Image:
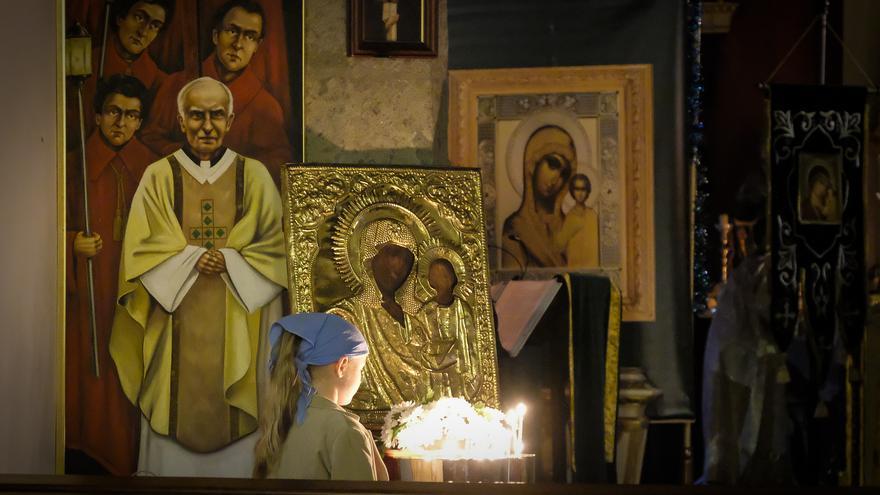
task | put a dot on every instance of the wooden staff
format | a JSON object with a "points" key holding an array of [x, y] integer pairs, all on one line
{"points": [[107, 5], [92, 318], [93, 324]]}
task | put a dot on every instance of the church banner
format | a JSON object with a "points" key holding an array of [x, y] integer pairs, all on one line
{"points": [[817, 140], [816, 167]]}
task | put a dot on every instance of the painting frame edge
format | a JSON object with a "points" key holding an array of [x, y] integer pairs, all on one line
{"points": [[61, 265], [635, 83]]}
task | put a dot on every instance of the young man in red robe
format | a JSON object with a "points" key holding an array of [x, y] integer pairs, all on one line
{"points": [[134, 25], [259, 130], [100, 421]]}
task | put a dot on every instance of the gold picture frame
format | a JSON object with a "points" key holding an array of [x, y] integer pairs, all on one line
{"points": [[374, 245], [551, 125]]}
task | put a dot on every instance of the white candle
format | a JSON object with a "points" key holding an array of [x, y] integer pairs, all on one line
{"points": [[512, 422], [520, 416]]}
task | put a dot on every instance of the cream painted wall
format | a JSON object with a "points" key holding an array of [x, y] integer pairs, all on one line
{"points": [[28, 254]]}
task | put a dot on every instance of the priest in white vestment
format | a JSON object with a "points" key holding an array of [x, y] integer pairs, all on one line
{"points": [[200, 278]]}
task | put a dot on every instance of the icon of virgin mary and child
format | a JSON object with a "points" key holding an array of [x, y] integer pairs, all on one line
{"points": [[540, 233], [410, 302]]}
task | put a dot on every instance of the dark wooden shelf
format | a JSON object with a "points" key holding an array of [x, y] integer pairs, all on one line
{"points": [[97, 485]]}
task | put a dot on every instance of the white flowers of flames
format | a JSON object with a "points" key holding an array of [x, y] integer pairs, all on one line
{"points": [[451, 428]]}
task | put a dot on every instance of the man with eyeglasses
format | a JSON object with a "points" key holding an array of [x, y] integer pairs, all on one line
{"points": [[259, 131], [100, 421], [134, 25]]}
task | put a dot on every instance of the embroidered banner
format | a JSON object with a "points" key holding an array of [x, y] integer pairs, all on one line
{"points": [[816, 155]]}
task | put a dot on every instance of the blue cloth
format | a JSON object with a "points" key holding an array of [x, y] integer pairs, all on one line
{"points": [[325, 340]]}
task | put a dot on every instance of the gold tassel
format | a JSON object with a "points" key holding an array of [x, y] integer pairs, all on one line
{"points": [[121, 214], [119, 224]]}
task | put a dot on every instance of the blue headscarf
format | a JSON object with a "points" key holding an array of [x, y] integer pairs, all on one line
{"points": [[325, 339]]}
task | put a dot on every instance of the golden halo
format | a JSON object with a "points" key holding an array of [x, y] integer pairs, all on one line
{"points": [[432, 250], [383, 203]]}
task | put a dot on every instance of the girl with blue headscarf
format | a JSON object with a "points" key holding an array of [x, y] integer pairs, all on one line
{"points": [[315, 369]]}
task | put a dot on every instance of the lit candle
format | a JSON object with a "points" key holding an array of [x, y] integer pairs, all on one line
{"points": [[512, 421], [520, 416]]}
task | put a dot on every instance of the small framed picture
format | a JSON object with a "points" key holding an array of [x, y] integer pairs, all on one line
{"points": [[392, 28]]}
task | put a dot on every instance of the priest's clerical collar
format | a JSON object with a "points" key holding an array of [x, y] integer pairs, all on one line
{"points": [[206, 171], [205, 163]]}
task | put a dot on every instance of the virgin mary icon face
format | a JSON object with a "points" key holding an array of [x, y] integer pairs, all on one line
{"points": [[550, 175], [549, 157], [391, 267]]}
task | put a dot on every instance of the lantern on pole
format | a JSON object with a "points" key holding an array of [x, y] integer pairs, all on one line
{"points": [[78, 67]]}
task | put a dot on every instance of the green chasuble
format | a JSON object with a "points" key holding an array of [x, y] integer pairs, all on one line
{"points": [[142, 342]]}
